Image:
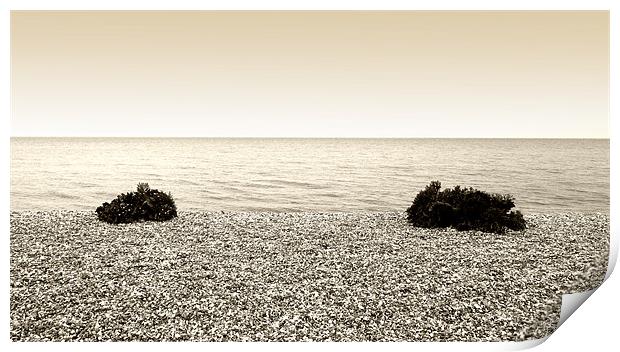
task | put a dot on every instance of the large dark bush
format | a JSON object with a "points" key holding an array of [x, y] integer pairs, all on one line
{"points": [[464, 209], [144, 204]]}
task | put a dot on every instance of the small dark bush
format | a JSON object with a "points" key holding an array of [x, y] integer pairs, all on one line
{"points": [[464, 209], [144, 204]]}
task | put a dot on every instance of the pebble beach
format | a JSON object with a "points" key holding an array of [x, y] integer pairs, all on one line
{"points": [[261, 276]]}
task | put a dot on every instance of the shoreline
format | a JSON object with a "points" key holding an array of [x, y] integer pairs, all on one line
{"points": [[295, 276]]}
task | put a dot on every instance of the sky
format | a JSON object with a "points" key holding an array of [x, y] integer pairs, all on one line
{"points": [[406, 74]]}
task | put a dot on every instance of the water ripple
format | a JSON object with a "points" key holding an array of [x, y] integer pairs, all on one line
{"points": [[307, 175]]}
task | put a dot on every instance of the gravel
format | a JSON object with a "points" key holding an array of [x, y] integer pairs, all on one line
{"points": [[295, 277]]}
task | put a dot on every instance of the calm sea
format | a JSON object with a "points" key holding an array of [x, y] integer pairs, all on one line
{"points": [[349, 175]]}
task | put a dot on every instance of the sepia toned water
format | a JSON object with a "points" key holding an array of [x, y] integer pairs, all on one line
{"points": [[351, 175]]}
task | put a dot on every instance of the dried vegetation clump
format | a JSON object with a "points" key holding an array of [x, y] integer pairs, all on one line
{"points": [[464, 209], [142, 205]]}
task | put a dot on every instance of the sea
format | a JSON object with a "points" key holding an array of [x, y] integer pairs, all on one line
{"points": [[317, 175]]}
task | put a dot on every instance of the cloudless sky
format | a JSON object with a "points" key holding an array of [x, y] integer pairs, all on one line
{"points": [[310, 74]]}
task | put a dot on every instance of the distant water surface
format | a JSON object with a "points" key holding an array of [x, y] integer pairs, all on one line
{"points": [[352, 175]]}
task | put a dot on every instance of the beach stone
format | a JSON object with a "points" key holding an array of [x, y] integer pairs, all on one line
{"points": [[240, 276]]}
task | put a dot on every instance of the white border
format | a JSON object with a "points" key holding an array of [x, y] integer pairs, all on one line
{"points": [[308, 5], [573, 333]]}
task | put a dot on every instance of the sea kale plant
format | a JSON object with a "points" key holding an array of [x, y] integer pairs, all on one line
{"points": [[144, 204], [464, 209]]}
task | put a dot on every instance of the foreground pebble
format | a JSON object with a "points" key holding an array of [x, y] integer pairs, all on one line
{"points": [[295, 277]]}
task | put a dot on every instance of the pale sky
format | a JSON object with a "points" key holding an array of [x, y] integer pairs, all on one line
{"points": [[310, 74]]}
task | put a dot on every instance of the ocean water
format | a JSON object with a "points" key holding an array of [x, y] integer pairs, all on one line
{"points": [[351, 175]]}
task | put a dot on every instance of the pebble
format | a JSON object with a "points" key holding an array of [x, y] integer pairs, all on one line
{"points": [[234, 276]]}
